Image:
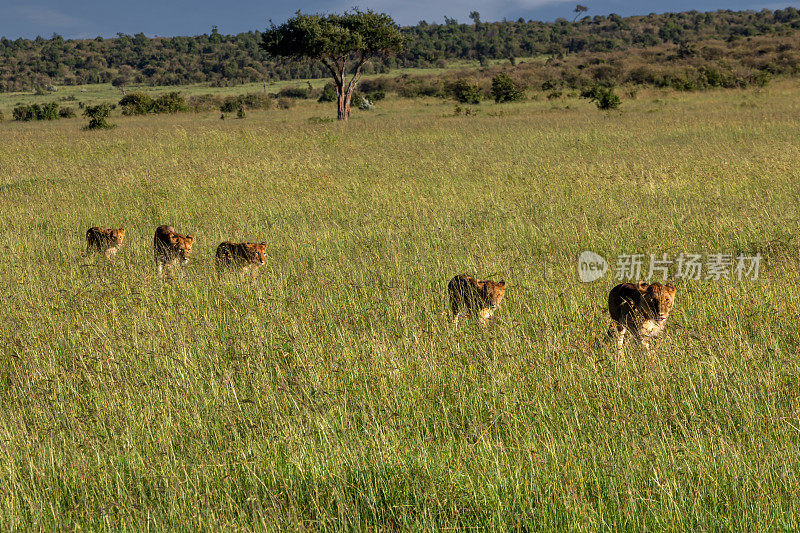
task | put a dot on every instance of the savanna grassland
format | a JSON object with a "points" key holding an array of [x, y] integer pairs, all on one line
{"points": [[330, 391]]}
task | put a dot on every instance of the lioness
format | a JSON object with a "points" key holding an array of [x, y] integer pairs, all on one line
{"points": [[171, 248], [243, 255], [106, 241], [640, 309], [481, 297]]}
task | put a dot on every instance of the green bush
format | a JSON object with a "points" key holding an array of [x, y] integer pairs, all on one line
{"points": [[97, 115], [230, 104], [66, 112], [328, 93], [48, 111], [137, 103], [604, 97], [171, 102], [377, 95], [357, 99], [256, 101], [414, 87], [504, 89], [26, 113], [293, 92], [762, 79], [23, 113], [246, 101], [465, 92], [549, 85], [203, 102]]}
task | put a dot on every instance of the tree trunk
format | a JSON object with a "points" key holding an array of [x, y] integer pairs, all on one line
{"points": [[344, 96], [342, 115]]}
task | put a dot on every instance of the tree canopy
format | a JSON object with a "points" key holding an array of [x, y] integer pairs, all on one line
{"points": [[343, 43]]}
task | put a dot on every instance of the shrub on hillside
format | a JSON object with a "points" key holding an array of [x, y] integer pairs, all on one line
{"points": [[464, 92], [328, 93], [26, 113], [357, 100], [505, 89], [293, 92], [365, 104], [408, 87], [604, 97], [171, 102], [97, 115], [66, 112], [48, 111], [203, 102], [256, 101], [230, 104], [375, 85], [375, 96], [246, 101], [136, 103]]}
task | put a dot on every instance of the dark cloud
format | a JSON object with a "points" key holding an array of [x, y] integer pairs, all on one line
{"points": [[74, 18]]}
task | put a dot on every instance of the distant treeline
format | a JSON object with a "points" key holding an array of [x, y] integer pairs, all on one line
{"points": [[232, 59], [708, 64]]}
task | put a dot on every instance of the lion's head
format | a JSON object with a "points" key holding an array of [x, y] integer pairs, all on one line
{"points": [[492, 292], [258, 252], [658, 299], [116, 235], [182, 245]]}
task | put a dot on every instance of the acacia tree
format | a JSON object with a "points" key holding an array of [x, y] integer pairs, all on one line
{"points": [[343, 43]]}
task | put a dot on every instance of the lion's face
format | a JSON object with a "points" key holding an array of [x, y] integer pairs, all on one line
{"points": [[117, 235], [494, 292], [183, 244], [659, 298], [259, 252]]}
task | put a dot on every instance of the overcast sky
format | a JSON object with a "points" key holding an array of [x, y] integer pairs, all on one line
{"points": [[90, 18]]}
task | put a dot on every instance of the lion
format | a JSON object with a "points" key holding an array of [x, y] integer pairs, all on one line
{"points": [[171, 248], [106, 241], [474, 296], [641, 310], [243, 255]]}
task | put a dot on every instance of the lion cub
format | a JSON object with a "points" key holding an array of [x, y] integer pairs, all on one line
{"points": [[171, 248], [106, 241], [474, 296], [641, 310], [242, 255]]}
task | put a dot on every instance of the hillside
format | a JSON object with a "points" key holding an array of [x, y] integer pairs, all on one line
{"points": [[233, 59]]}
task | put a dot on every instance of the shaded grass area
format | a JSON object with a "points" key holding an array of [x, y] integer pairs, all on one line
{"points": [[330, 391]]}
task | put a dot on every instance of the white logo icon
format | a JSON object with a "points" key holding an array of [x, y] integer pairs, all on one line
{"points": [[591, 266]]}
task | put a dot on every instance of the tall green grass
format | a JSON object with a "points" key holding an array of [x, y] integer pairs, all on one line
{"points": [[330, 391]]}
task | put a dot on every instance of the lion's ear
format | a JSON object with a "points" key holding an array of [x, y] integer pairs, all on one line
{"points": [[670, 288], [502, 284], [190, 239], [642, 286]]}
